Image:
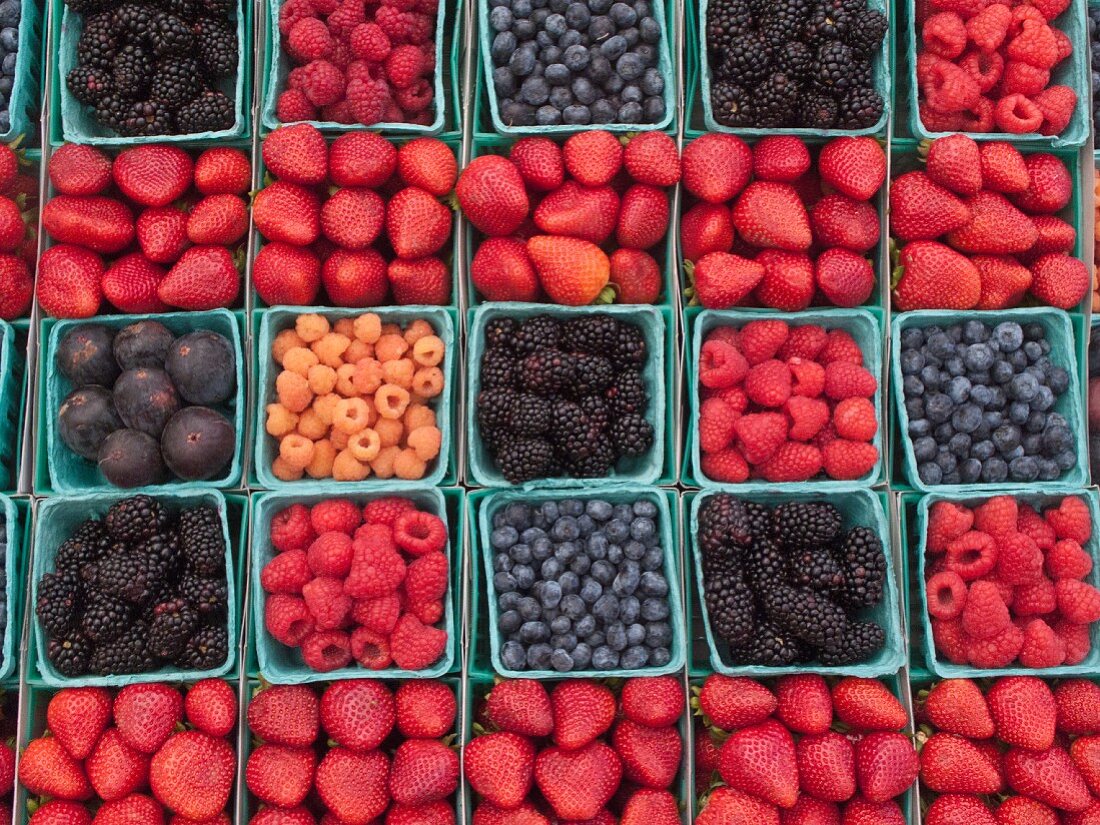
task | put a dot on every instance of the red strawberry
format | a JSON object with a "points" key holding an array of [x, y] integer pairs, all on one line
{"points": [[933, 276], [921, 209], [788, 282], [838, 220], [643, 217], [211, 706], [583, 710], [953, 764], [416, 223], [136, 807], [805, 704], [761, 760], [77, 717], [502, 271], [996, 227], [572, 272], [218, 219], [716, 166], [636, 277], [46, 768], [953, 808], [131, 283], [654, 701], [500, 767], [1047, 776], [153, 174], [726, 805], [585, 212], [855, 166], [827, 766], [1060, 280], [115, 769], [287, 212], [521, 706], [16, 287], [647, 806], [361, 159], [491, 194], [782, 158], [358, 714], [162, 233], [845, 277], [147, 714], [578, 783], [223, 171], [955, 163], [957, 706], [425, 710], [286, 274], [651, 756], [69, 281], [296, 154], [723, 280], [279, 775], [205, 277], [95, 222], [652, 157], [1050, 185], [886, 764], [772, 215], [61, 812], [77, 169], [1055, 235], [1004, 281], [1003, 167], [353, 218], [593, 158], [1085, 753], [1021, 810], [867, 704], [428, 163], [285, 714], [1078, 707], [706, 227], [526, 814], [354, 784], [355, 279], [540, 163], [423, 281]]}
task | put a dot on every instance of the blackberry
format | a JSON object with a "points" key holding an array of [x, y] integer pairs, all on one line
{"points": [[810, 616], [760, 520], [817, 111], [829, 21], [135, 518], [186, 9], [176, 80], [201, 541], [800, 523], [205, 650], [530, 415], [732, 104], [146, 117], [211, 111], [595, 460], [218, 8], [630, 350], [521, 459], [111, 111], [135, 20], [569, 426], [795, 59], [58, 601], [172, 625], [724, 522], [596, 334], [627, 394], [725, 20], [98, 41], [210, 597], [833, 67], [88, 7], [730, 609], [85, 546], [776, 100], [860, 108], [786, 21], [596, 409], [498, 369], [105, 617], [863, 562], [494, 407], [862, 641], [88, 84], [129, 653], [70, 654], [129, 576], [722, 563], [172, 35], [499, 333], [632, 435], [546, 371], [540, 332], [132, 71], [592, 374], [217, 45], [771, 647], [866, 31], [815, 568], [765, 565], [746, 61]]}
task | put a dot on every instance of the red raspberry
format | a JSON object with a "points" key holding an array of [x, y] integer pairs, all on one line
{"points": [[379, 614], [844, 380], [987, 29], [1078, 602], [996, 516], [950, 641], [1022, 14], [426, 580], [768, 383], [341, 55], [325, 599], [841, 347], [1057, 104], [809, 377], [286, 573], [370, 649], [720, 365], [761, 340], [804, 342], [946, 595], [362, 70], [1078, 639], [322, 82], [1018, 115], [287, 619], [292, 529], [1035, 599], [735, 397], [985, 67], [727, 466], [375, 571], [1068, 560], [1070, 520], [949, 88], [716, 420], [367, 100], [330, 554], [944, 34], [808, 416], [336, 514], [1065, 45], [995, 651], [1042, 646], [1035, 44], [325, 7], [400, 5], [415, 99], [964, 8], [855, 419], [1030, 522], [1019, 559], [337, 113], [848, 460], [946, 522], [344, 20], [369, 42], [376, 537], [926, 62], [402, 26], [292, 11], [760, 434], [386, 510], [979, 117], [1050, 8], [731, 335], [419, 533], [326, 650], [293, 105], [404, 65], [308, 39], [935, 121], [427, 612], [416, 645], [1078, 703], [972, 555], [1023, 79], [792, 462], [427, 7]]}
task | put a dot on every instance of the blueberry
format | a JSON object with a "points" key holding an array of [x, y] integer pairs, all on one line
{"points": [[508, 601], [1018, 413], [598, 509], [578, 16], [654, 610], [558, 6], [597, 546], [627, 581], [959, 445], [580, 565], [659, 657], [924, 449], [635, 550], [1001, 372], [586, 525], [653, 584], [513, 656], [557, 74], [1066, 460], [981, 395], [622, 15], [585, 626], [581, 656], [1049, 469], [617, 530], [9, 13], [509, 621], [530, 632], [551, 594], [1025, 468], [524, 575], [616, 636], [565, 529], [654, 559], [958, 389], [1036, 422], [1033, 351], [615, 554], [522, 8], [634, 657], [563, 641], [600, 29], [539, 656], [969, 470], [919, 428], [603, 572], [946, 462], [930, 377], [572, 606], [529, 608], [912, 338], [914, 407], [629, 609], [658, 634], [975, 332], [1017, 359], [604, 111], [630, 67], [930, 473], [911, 386], [599, 6], [943, 434], [1009, 336], [912, 361], [524, 29], [572, 38], [504, 582], [583, 91], [536, 91], [570, 582], [1032, 443], [1056, 440], [551, 568], [561, 661], [599, 68], [550, 511], [1023, 387], [994, 470], [503, 45], [938, 407], [606, 608], [940, 346], [642, 529], [502, 563], [565, 552], [982, 450], [604, 658], [954, 332], [644, 509], [967, 418], [1044, 399], [955, 366], [635, 634], [1006, 437], [978, 357], [993, 419], [503, 537], [501, 19], [631, 36], [613, 47]]}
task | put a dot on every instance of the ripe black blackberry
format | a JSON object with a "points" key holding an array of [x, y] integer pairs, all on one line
{"points": [[218, 8], [862, 641], [164, 555], [171, 35], [172, 625], [135, 518], [765, 565], [546, 371], [829, 21], [146, 117], [723, 523], [596, 460], [530, 415], [786, 21], [771, 647], [725, 20], [176, 80], [98, 41], [201, 541], [595, 334], [129, 576], [186, 9], [211, 111], [89, 7], [599, 416], [69, 653], [795, 59], [591, 374], [498, 369], [627, 394], [812, 566], [817, 111], [88, 84], [209, 596], [135, 20], [521, 459], [866, 30], [129, 653], [494, 407], [105, 618], [217, 45], [632, 435], [86, 545], [206, 649], [732, 104], [540, 332], [799, 523], [630, 350], [746, 61], [832, 70], [569, 425], [499, 333], [862, 559], [860, 108], [58, 601], [777, 100], [760, 519], [811, 616], [111, 110], [731, 609]]}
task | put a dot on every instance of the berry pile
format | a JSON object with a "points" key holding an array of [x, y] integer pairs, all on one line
{"points": [[563, 398], [1005, 583], [580, 585], [364, 584], [166, 414], [140, 589], [166, 257], [979, 229], [357, 62], [360, 217], [354, 753], [1022, 752], [145, 69], [785, 403], [1093, 400], [980, 402], [800, 63], [145, 754], [790, 584], [785, 243], [594, 209], [578, 752], [986, 67], [783, 756], [10, 18], [353, 399], [18, 236]]}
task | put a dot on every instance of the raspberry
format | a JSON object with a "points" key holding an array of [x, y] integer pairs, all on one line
{"points": [[1017, 114], [386, 510], [1019, 559], [1057, 104], [369, 42], [720, 365], [415, 99], [855, 418], [972, 555], [946, 522], [374, 571], [949, 88], [1065, 45], [326, 650], [1029, 521], [370, 649], [367, 100], [804, 342], [379, 614], [286, 573], [1023, 78], [1022, 14], [946, 595], [716, 420], [730, 335], [1070, 520], [287, 619], [995, 651], [841, 347], [376, 537], [735, 397], [792, 462], [1078, 602], [808, 416], [428, 612], [1035, 44], [987, 29], [1050, 8], [416, 645], [308, 39], [964, 8], [809, 377], [926, 62], [420, 533], [1007, 591], [979, 117], [1077, 637], [326, 601], [1036, 599], [761, 340], [768, 383], [330, 554], [848, 460], [996, 516], [403, 26], [401, 5], [986, 68], [404, 65], [337, 113], [844, 380], [944, 34], [292, 529], [293, 106], [939, 121], [347, 16], [950, 641], [292, 11], [727, 466], [1042, 647], [322, 82], [1068, 560], [760, 434], [338, 514], [426, 579]]}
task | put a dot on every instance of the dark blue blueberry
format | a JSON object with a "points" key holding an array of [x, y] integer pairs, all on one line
{"points": [[1066, 460], [617, 531], [914, 407], [535, 91], [546, 43], [585, 626], [598, 509], [969, 470], [654, 610], [912, 362], [930, 473], [550, 511], [959, 445], [1036, 422], [563, 641], [940, 346], [930, 377], [626, 582], [572, 507], [508, 601], [565, 552], [522, 8], [551, 594], [1018, 412], [504, 582], [938, 407], [1023, 387], [993, 419], [912, 337], [525, 30], [1056, 440], [1008, 336], [919, 427], [980, 378], [1017, 359], [509, 621], [1025, 469], [622, 15], [580, 565], [502, 563], [629, 609], [994, 470], [630, 67], [652, 82], [1044, 399], [951, 478], [654, 559], [947, 462], [573, 606], [9, 13], [943, 433], [524, 575], [501, 19], [954, 332], [982, 450], [654, 112], [955, 366], [604, 658], [578, 16], [978, 358], [570, 582], [643, 529], [603, 110], [924, 448], [658, 634], [958, 389], [975, 332], [1015, 452], [1006, 437], [539, 656], [1049, 469], [981, 395], [613, 47], [615, 554], [603, 572], [599, 6], [503, 45], [635, 550], [586, 524], [1032, 443], [529, 608], [599, 67], [558, 74], [967, 418], [635, 634], [1033, 351], [653, 584], [912, 386], [576, 59], [1001, 372], [503, 537], [659, 657], [572, 38], [561, 661], [551, 569], [513, 656], [597, 546], [601, 29], [581, 656], [634, 658], [565, 529], [606, 608], [616, 636], [531, 632], [520, 553]]}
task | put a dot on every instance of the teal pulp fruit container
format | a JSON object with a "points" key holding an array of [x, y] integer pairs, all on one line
{"points": [[859, 507], [55, 521], [10, 406], [863, 325], [280, 664], [276, 319], [1040, 500], [69, 472], [485, 504], [1063, 352], [25, 91], [14, 524], [655, 324]]}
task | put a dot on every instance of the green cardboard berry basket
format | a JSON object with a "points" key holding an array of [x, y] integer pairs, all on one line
{"points": [[656, 324], [1063, 352], [55, 520], [276, 319], [864, 325], [859, 507], [278, 664], [11, 381], [907, 530], [25, 93], [15, 525], [66, 472], [71, 121], [483, 505], [1039, 499]]}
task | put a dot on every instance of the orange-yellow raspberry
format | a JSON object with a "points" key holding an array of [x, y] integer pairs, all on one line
{"points": [[390, 347], [345, 326], [391, 401], [416, 330], [323, 456], [368, 376], [419, 415], [399, 372], [350, 415], [331, 348], [311, 327], [428, 351], [428, 382], [296, 450], [322, 379], [283, 471], [299, 360], [425, 441], [407, 465], [286, 340], [280, 420], [391, 328], [365, 444], [311, 426], [389, 431], [345, 374], [339, 439], [346, 468], [368, 327], [357, 351], [382, 466], [324, 405], [292, 391]]}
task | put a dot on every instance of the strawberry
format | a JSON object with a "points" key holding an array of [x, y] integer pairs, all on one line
{"points": [[1085, 753], [1003, 167], [584, 212], [193, 774], [957, 706], [810, 811], [1024, 711], [526, 814], [845, 277], [61, 812], [358, 714], [1055, 235], [425, 710], [827, 766], [223, 171], [636, 277], [1078, 707], [287, 212], [954, 808], [643, 217], [761, 760], [439, 812], [933, 276], [1047, 776], [578, 783], [355, 279], [654, 701], [706, 227], [855, 166], [77, 169], [218, 219], [788, 282], [46, 768], [277, 816], [772, 215], [651, 756], [416, 223], [540, 163], [77, 717], [115, 769], [804, 703], [1049, 186], [838, 220], [153, 174], [286, 274], [868, 705], [280, 775], [647, 806], [501, 270], [500, 767], [1060, 280], [296, 154], [1004, 281], [16, 287], [353, 784], [652, 157], [886, 765], [953, 764], [954, 162], [211, 706], [353, 218], [583, 710], [162, 233], [95, 222], [429, 164], [205, 277], [726, 805], [593, 158], [491, 194], [996, 227], [716, 166], [285, 714], [422, 281], [722, 280], [136, 807], [921, 209], [147, 714], [69, 281], [521, 706], [572, 272], [780, 158], [131, 282]]}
